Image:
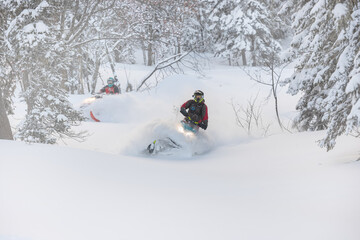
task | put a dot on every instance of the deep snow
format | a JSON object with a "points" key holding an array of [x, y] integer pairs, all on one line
{"points": [[279, 187]]}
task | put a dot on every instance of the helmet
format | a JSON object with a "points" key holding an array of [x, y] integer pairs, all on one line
{"points": [[110, 81], [198, 96]]}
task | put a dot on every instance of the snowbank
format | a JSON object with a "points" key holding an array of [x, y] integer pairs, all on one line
{"points": [[50, 192], [237, 187]]}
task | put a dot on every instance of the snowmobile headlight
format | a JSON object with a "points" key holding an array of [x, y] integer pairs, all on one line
{"points": [[89, 100], [180, 128]]}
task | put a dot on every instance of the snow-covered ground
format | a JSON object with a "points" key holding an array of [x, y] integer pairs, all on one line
{"points": [[279, 187]]}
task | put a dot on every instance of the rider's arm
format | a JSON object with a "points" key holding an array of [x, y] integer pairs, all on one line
{"points": [[116, 90], [102, 90], [204, 113], [184, 107], [203, 123], [184, 112]]}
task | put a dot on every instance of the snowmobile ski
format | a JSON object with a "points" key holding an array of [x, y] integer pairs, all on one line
{"points": [[93, 117], [151, 147], [162, 145]]}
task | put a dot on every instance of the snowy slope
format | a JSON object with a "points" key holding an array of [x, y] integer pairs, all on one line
{"points": [[278, 188], [237, 192]]}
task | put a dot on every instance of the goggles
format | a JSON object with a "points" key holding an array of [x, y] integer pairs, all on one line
{"points": [[198, 97]]}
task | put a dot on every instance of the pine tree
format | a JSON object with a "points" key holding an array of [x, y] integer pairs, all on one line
{"points": [[7, 75], [167, 27], [244, 29], [327, 40], [37, 55]]}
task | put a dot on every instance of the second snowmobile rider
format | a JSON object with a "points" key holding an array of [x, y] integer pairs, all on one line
{"points": [[110, 88]]}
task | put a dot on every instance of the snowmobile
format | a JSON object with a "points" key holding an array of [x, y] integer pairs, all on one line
{"points": [[161, 145]]}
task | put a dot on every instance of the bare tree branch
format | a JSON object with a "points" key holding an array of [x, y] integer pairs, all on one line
{"points": [[164, 64], [249, 118]]}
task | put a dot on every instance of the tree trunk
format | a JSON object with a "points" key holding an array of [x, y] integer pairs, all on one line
{"points": [[65, 78], [25, 80], [26, 86], [150, 46], [178, 46], [149, 53], [95, 75], [86, 75], [88, 84], [62, 20], [274, 91], [81, 77], [144, 53], [243, 56], [253, 48], [5, 129]]}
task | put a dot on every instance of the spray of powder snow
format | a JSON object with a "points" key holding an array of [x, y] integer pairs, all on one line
{"points": [[190, 144]]}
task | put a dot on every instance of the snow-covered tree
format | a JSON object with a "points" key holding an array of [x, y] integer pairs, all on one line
{"points": [[280, 18], [80, 30], [7, 75], [327, 42], [196, 34], [244, 29], [167, 27], [110, 36], [37, 56]]}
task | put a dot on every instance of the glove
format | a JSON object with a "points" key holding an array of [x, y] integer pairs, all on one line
{"points": [[203, 126], [184, 112]]}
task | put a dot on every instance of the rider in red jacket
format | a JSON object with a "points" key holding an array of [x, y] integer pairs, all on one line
{"points": [[195, 110], [111, 88]]}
